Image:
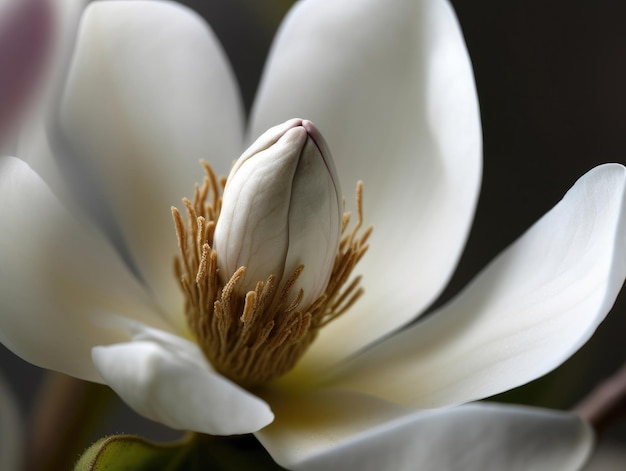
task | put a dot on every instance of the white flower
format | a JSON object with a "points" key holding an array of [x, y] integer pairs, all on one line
{"points": [[390, 86]]}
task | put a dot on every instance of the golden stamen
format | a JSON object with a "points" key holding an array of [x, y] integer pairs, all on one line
{"points": [[254, 338]]}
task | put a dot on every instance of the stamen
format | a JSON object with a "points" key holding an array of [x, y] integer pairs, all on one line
{"points": [[254, 338]]}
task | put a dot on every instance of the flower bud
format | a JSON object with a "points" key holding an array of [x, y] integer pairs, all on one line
{"points": [[282, 208]]}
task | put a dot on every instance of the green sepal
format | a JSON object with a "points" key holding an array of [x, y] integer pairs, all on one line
{"points": [[128, 452], [192, 452]]}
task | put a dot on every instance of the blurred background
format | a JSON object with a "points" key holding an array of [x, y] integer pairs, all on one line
{"points": [[550, 77]]}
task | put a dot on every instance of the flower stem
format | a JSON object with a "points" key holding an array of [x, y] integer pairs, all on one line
{"points": [[65, 413], [605, 406]]}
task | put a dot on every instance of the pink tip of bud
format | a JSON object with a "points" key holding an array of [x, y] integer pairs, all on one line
{"points": [[26, 29]]}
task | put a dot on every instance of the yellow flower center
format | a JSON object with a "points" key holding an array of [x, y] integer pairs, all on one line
{"points": [[259, 336]]}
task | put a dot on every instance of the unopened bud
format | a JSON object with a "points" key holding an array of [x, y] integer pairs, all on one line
{"points": [[282, 208]]}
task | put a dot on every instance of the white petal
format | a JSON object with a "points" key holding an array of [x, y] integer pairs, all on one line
{"points": [[11, 429], [33, 145], [149, 94], [60, 282], [478, 437], [318, 420], [167, 379], [390, 86], [525, 314]]}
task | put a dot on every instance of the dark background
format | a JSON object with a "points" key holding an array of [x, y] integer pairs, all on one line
{"points": [[550, 78]]}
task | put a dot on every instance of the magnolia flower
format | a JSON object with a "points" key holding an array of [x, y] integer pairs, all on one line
{"points": [[92, 293]]}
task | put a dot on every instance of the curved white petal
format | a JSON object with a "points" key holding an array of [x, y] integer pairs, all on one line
{"points": [[526, 313], [390, 86], [477, 437], [167, 379], [33, 145], [149, 94], [311, 423], [11, 429], [60, 282]]}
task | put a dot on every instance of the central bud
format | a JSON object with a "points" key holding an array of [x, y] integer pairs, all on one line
{"points": [[265, 256], [281, 210]]}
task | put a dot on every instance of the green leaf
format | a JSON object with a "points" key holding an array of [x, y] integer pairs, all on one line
{"points": [[192, 452]]}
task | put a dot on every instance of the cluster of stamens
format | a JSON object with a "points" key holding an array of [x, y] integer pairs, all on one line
{"points": [[258, 336]]}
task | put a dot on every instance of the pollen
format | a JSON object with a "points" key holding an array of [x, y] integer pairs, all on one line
{"points": [[255, 337]]}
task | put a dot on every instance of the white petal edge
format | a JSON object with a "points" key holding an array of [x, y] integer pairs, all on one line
{"points": [[33, 144], [390, 86], [11, 429], [167, 379], [149, 94], [526, 313], [476, 437], [61, 284]]}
